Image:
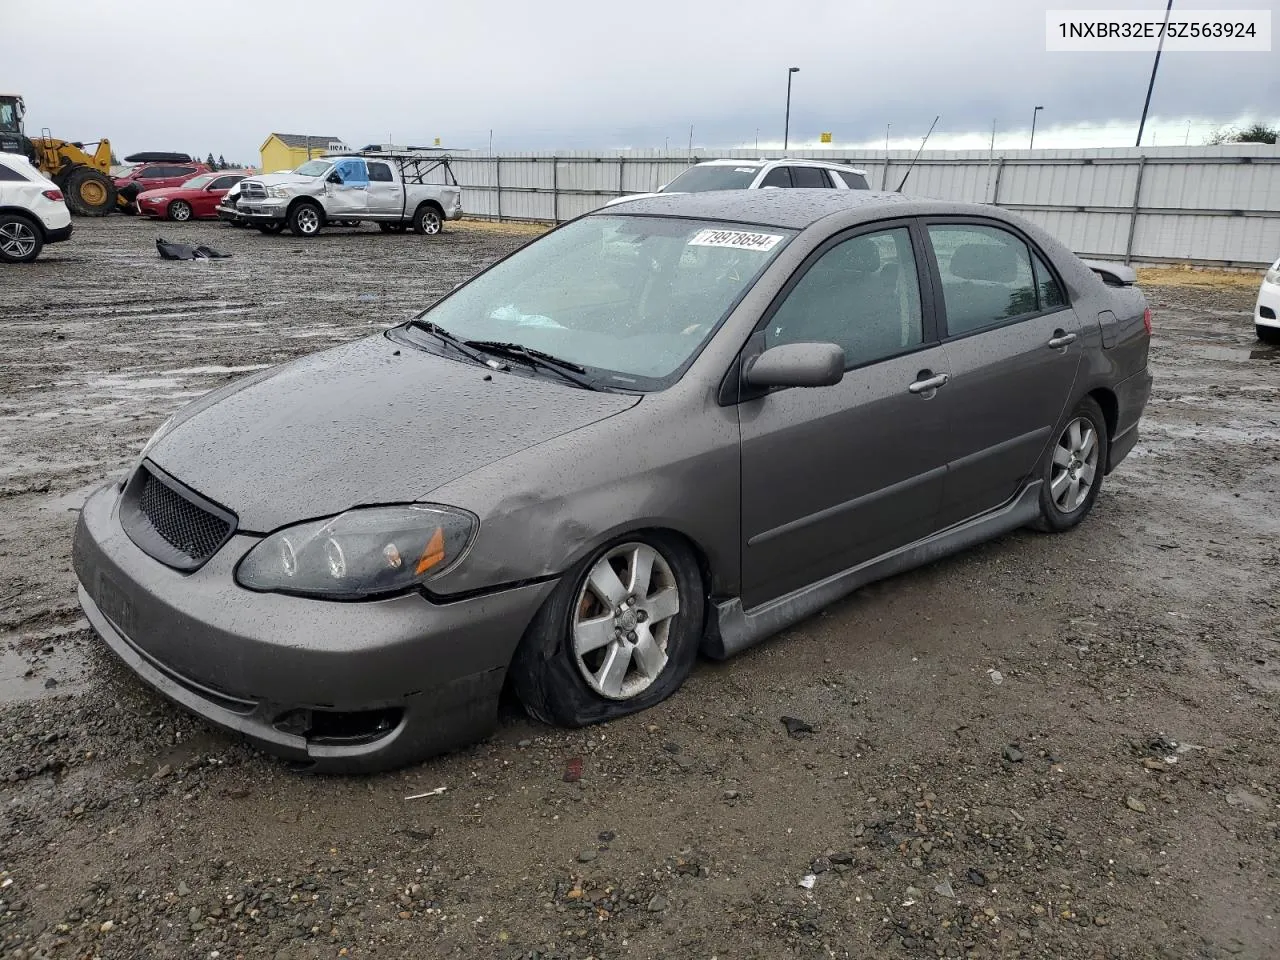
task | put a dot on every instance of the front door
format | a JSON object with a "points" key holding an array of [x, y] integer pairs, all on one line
{"points": [[386, 199], [350, 197], [834, 476], [1013, 349]]}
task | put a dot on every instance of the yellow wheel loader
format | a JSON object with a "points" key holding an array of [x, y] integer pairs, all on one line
{"points": [[83, 177]]}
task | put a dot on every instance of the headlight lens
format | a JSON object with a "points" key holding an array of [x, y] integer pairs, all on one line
{"points": [[280, 193], [361, 553]]}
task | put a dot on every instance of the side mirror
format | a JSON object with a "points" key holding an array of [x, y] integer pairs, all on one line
{"points": [[334, 177], [797, 365]]}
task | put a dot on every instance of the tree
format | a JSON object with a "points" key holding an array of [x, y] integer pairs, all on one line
{"points": [[211, 163], [1257, 133], [222, 162]]}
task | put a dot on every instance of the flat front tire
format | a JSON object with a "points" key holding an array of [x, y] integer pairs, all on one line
{"points": [[1073, 474], [619, 633]]}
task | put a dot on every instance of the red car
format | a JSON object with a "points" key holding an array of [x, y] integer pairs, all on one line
{"points": [[197, 198], [153, 176]]}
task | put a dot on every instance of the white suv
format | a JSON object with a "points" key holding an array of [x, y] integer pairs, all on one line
{"points": [[759, 175], [32, 210]]}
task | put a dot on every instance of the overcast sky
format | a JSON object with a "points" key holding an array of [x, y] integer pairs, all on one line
{"points": [[576, 74]]}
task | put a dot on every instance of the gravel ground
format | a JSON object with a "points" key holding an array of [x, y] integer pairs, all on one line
{"points": [[1045, 747]]}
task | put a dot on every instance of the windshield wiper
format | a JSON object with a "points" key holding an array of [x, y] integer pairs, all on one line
{"points": [[453, 340], [567, 369]]}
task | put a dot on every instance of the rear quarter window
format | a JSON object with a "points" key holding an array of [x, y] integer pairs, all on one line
{"points": [[8, 173]]}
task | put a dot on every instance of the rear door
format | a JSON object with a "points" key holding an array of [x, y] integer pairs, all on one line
{"points": [[777, 177], [350, 198], [385, 196], [833, 476], [1013, 349], [810, 178]]}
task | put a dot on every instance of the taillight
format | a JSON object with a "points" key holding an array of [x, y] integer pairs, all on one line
{"points": [[53, 194], [1146, 320]]}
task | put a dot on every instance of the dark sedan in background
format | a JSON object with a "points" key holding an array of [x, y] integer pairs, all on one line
{"points": [[677, 425]]}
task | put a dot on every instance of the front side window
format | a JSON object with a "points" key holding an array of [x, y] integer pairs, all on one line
{"points": [[809, 177], [863, 295], [631, 299], [712, 176], [8, 118], [986, 276], [777, 177], [380, 173]]}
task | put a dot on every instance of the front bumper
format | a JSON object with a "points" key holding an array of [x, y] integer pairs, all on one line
{"points": [[286, 672], [263, 211], [229, 214], [1266, 312]]}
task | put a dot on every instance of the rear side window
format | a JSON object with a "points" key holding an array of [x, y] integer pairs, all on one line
{"points": [[986, 276], [777, 177], [809, 177], [854, 181], [1051, 295], [863, 294], [380, 172], [7, 173]]}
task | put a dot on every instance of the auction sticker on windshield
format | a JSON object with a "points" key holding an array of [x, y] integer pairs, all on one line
{"points": [[735, 238]]}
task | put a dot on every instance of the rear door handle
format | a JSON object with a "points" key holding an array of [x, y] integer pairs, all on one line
{"points": [[928, 382], [1062, 339]]}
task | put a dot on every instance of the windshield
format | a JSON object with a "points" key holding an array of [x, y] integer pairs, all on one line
{"points": [[198, 183], [631, 299], [8, 118], [712, 177], [314, 168]]}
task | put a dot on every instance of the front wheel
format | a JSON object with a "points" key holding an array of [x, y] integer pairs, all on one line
{"points": [[180, 211], [618, 634], [428, 220], [20, 239], [1073, 476], [305, 220]]}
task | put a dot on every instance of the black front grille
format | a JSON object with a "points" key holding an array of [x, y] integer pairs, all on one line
{"points": [[171, 523], [182, 524]]}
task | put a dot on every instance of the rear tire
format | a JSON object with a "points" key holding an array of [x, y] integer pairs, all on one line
{"points": [[1267, 334], [586, 658], [1076, 465], [90, 193], [180, 211], [20, 239], [428, 220], [305, 220]]}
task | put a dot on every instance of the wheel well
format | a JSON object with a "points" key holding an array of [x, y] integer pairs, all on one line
{"points": [[432, 204], [298, 201], [25, 215], [1110, 409]]}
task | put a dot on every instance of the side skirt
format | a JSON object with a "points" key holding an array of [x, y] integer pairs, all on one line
{"points": [[730, 629]]}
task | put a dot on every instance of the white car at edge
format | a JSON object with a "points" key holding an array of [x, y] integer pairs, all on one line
{"points": [[32, 210], [1266, 312], [760, 175]]}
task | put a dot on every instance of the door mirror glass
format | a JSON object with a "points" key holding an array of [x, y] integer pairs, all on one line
{"points": [[797, 365], [334, 177]]}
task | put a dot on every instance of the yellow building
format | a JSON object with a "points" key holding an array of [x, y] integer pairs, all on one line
{"points": [[285, 151]]}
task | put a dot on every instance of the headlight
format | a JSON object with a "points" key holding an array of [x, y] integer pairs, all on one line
{"points": [[155, 199], [280, 193], [361, 553]]}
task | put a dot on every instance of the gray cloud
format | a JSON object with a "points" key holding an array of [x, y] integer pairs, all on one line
{"points": [[580, 74]]}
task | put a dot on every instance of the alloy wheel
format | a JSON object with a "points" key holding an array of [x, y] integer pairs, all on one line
{"points": [[1075, 465], [17, 239], [622, 620]]}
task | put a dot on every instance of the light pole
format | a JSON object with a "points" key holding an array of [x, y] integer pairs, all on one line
{"points": [[1033, 126], [786, 130]]}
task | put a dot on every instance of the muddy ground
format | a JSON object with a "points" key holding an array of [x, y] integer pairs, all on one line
{"points": [[1045, 747]]}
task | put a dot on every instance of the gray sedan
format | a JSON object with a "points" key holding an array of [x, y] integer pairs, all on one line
{"points": [[677, 425]]}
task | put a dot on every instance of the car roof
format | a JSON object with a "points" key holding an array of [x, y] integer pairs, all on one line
{"points": [[793, 209]]}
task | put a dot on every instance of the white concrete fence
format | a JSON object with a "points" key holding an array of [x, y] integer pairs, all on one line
{"points": [[1216, 206]]}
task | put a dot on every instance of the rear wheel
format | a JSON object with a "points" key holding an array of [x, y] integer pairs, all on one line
{"points": [[618, 634], [20, 239], [428, 220], [180, 210], [90, 193], [1267, 334], [1074, 473], [305, 220]]}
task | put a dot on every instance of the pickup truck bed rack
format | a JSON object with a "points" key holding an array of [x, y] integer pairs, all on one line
{"points": [[414, 167]]}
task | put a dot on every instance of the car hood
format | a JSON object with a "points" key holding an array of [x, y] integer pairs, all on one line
{"points": [[365, 423], [276, 179]]}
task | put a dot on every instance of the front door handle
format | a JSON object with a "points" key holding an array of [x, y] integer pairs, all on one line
{"points": [[927, 382], [1062, 339]]}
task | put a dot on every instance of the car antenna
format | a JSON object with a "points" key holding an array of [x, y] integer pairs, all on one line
{"points": [[918, 152]]}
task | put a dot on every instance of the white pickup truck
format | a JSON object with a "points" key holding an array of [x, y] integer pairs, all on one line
{"points": [[390, 189]]}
